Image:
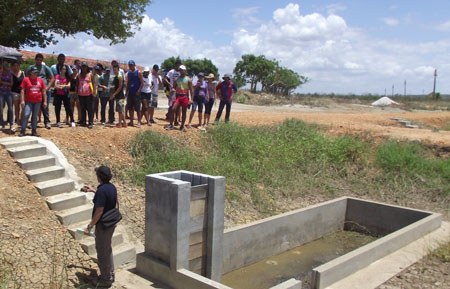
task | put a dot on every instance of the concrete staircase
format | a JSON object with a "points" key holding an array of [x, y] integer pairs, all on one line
{"points": [[55, 179]]}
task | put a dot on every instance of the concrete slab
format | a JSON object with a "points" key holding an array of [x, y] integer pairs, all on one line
{"points": [[385, 268]]}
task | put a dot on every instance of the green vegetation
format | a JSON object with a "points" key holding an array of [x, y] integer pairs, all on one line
{"points": [[37, 22], [194, 66], [294, 159], [269, 74]]}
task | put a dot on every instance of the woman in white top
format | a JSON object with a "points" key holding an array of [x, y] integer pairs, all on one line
{"points": [[156, 81], [145, 95]]}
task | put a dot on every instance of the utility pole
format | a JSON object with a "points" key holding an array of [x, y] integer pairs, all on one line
{"points": [[404, 92], [392, 91], [434, 85], [385, 94]]}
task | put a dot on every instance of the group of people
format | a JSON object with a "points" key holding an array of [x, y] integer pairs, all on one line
{"points": [[109, 90]]}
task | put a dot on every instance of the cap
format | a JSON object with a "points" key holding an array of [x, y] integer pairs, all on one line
{"points": [[84, 63], [107, 68], [211, 75], [97, 67], [146, 69], [34, 69], [131, 62], [227, 75], [182, 67], [200, 74], [156, 67]]}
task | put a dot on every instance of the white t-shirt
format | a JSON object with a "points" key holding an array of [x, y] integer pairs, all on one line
{"points": [[173, 75], [156, 80], [147, 87]]}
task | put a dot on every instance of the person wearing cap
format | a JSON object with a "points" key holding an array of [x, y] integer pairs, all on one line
{"points": [[116, 93], [6, 82], [103, 90], [184, 92], [134, 83], [85, 95], [105, 199], [210, 98], [146, 93], [32, 96], [200, 91], [170, 79], [46, 74], [225, 91], [153, 102]]}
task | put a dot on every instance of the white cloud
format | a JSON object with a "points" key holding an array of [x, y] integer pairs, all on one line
{"points": [[444, 26], [335, 8], [245, 17], [336, 57], [391, 21]]}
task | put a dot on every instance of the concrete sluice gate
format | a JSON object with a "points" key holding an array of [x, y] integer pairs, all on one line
{"points": [[186, 245]]}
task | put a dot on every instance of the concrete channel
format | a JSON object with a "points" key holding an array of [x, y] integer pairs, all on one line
{"points": [[186, 245]]}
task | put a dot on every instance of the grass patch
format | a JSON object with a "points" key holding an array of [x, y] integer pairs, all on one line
{"points": [[415, 163], [294, 159], [262, 161], [442, 253]]}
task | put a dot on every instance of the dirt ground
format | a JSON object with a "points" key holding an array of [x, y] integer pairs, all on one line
{"points": [[85, 148]]}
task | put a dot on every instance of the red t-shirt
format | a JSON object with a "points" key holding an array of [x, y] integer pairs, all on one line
{"points": [[33, 89]]}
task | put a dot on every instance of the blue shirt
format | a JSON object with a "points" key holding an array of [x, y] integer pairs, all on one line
{"points": [[105, 197]]}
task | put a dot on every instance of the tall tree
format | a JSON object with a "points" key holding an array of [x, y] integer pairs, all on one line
{"points": [[35, 23], [253, 69]]}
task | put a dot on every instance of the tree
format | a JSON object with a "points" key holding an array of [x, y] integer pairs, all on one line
{"points": [[194, 66], [35, 23], [253, 70]]}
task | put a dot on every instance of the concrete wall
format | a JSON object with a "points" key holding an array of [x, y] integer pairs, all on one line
{"points": [[412, 225], [377, 218], [250, 243], [183, 227]]}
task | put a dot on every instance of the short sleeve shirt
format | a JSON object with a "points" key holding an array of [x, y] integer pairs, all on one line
{"points": [[105, 197]]}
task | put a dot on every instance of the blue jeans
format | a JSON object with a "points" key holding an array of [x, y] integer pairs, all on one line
{"points": [[6, 97], [33, 109]]}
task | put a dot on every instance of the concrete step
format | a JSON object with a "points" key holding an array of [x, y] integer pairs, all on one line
{"points": [[45, 174], [88, 243], [72, 228], [66, 200], [123, 254], [17, 142], [76, 215], [28, 151], [37, 162], [55, 186]]}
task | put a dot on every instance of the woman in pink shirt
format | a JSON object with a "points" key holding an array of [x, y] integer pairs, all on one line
{"points": [[85, 95], [62, 85]]}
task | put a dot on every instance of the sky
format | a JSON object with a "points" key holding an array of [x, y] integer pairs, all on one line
{"points": [[361, 47]]}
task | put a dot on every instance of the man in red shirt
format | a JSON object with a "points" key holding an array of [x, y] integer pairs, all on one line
{"points": [[33, 94], [225, 91]]}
